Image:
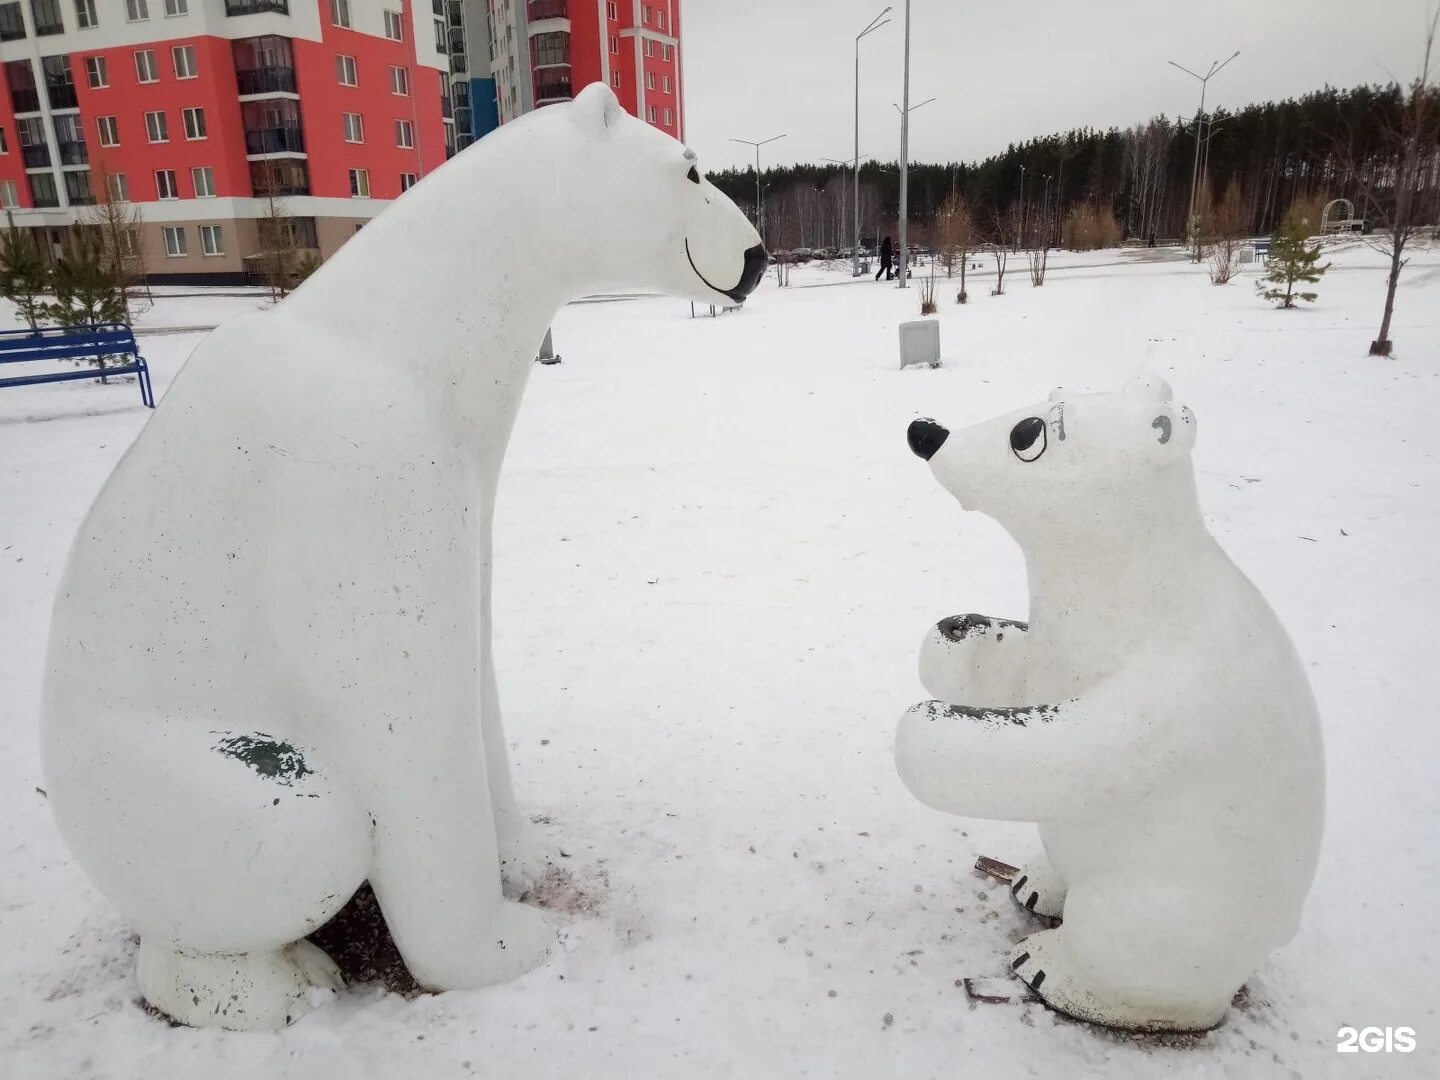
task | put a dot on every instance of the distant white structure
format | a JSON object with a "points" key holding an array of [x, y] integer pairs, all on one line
{"points": [[1339, 217], [1151, 716], [270, 674], [920, 343]]}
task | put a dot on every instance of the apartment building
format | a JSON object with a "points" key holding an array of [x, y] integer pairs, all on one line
{"points": [[519, 55], [195, 111]]}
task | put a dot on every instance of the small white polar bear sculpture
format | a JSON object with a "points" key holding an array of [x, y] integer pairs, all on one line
{"points": [[269, 676], [1152, 716]]}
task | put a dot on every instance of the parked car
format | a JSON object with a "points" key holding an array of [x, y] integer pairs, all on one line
{"points": [[801, 254]]}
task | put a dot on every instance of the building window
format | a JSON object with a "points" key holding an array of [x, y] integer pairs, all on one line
{"points": [[394, 27], [612, 11], [77, 188], [42, 189], [177, 7], [9, 195], [97, 72], [660, 20], [4, 146], [550, 50], [404, 134], [648, 48], [649, 80], [146, 70], [669, 52], [212, 240], [109, 130], [614, 44], [183, 57], [440, 36], [204, 178], [360, 183], [118, 187], [615, 79], [645, 14], [340, 13], [669, 118], [407, 181], [194, 123], [399, 81], [650, 113], [345, 70], [136, 10], [165, 185], [174, 241], [85, 14], [665, 84], [157, 128], [354, 127]]}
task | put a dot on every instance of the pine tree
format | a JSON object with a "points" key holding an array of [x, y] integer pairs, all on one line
{"points": [[1291, 259], [87, 286], [24, 276]]}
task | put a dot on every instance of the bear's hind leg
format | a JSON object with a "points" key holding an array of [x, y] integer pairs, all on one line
{"points": [[1039, 888], [256, 991], [1139, 957]]}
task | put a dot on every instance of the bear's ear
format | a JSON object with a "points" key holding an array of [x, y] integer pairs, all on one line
{"points": [[1150, 388], [1175, 428], [595, 108]]}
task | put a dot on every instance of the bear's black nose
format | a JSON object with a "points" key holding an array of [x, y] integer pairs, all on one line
{"points": [[926, 437], [756, 259]]}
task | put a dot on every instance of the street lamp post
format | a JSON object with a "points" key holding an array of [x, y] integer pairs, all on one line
{"points": [[904, 167], [1022, 204], [759, 206], [875, 24], [848, 163], [1204, 81], [905, 157]]}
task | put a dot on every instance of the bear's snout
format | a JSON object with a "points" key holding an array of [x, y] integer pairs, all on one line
{"points": [[926, 437]]}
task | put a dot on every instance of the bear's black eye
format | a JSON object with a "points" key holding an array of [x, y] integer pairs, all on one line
{"points": [[693, 175], [1028, 439]]}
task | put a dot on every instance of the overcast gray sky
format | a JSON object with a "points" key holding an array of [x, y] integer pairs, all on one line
{"points": [[1004, 70]]}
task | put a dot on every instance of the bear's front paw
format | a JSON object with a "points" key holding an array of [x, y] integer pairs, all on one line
{"points": [[956, 657]]}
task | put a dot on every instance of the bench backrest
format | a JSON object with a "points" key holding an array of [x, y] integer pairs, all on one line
{"points": [[66, 343]]}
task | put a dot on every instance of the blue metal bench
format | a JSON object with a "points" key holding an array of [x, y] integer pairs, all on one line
{"points": [[76, 343]]}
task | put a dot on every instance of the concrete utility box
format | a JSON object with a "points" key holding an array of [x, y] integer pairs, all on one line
{"points": [[920, 343]]}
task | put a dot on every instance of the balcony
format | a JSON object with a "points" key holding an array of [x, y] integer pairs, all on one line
{"points": [[73, 153], [267, 80], [548, 9], [45, 200], [25, 101], [552, 89], [274, 141], [277, 178], [447, 112], [257, 7], [458, 64], [36, 157], [62, 96], [12, 23]]}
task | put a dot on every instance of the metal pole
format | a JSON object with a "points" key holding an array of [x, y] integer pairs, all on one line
{"points": [[759, 205], [855, 252], [1022, 205], [905, 157], [1204, 85], [875, 24]]}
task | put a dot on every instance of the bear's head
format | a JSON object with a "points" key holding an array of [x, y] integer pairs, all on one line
{"points": [[1079, 464], [639, 204]]}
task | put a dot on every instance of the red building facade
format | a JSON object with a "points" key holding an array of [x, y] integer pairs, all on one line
{"points": [[200, 112], [546, 51]]}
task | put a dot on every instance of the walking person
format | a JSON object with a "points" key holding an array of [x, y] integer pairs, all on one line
{"points": [[887, 260]]}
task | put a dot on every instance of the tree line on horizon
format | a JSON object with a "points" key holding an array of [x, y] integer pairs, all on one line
{"points": [[1329, 143]]}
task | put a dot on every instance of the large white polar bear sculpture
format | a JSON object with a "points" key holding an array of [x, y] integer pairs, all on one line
{"points": [[270, 672], [1152, 717]]}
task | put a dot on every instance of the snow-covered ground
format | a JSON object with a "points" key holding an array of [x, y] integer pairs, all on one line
{"points": [[716, 559]]}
